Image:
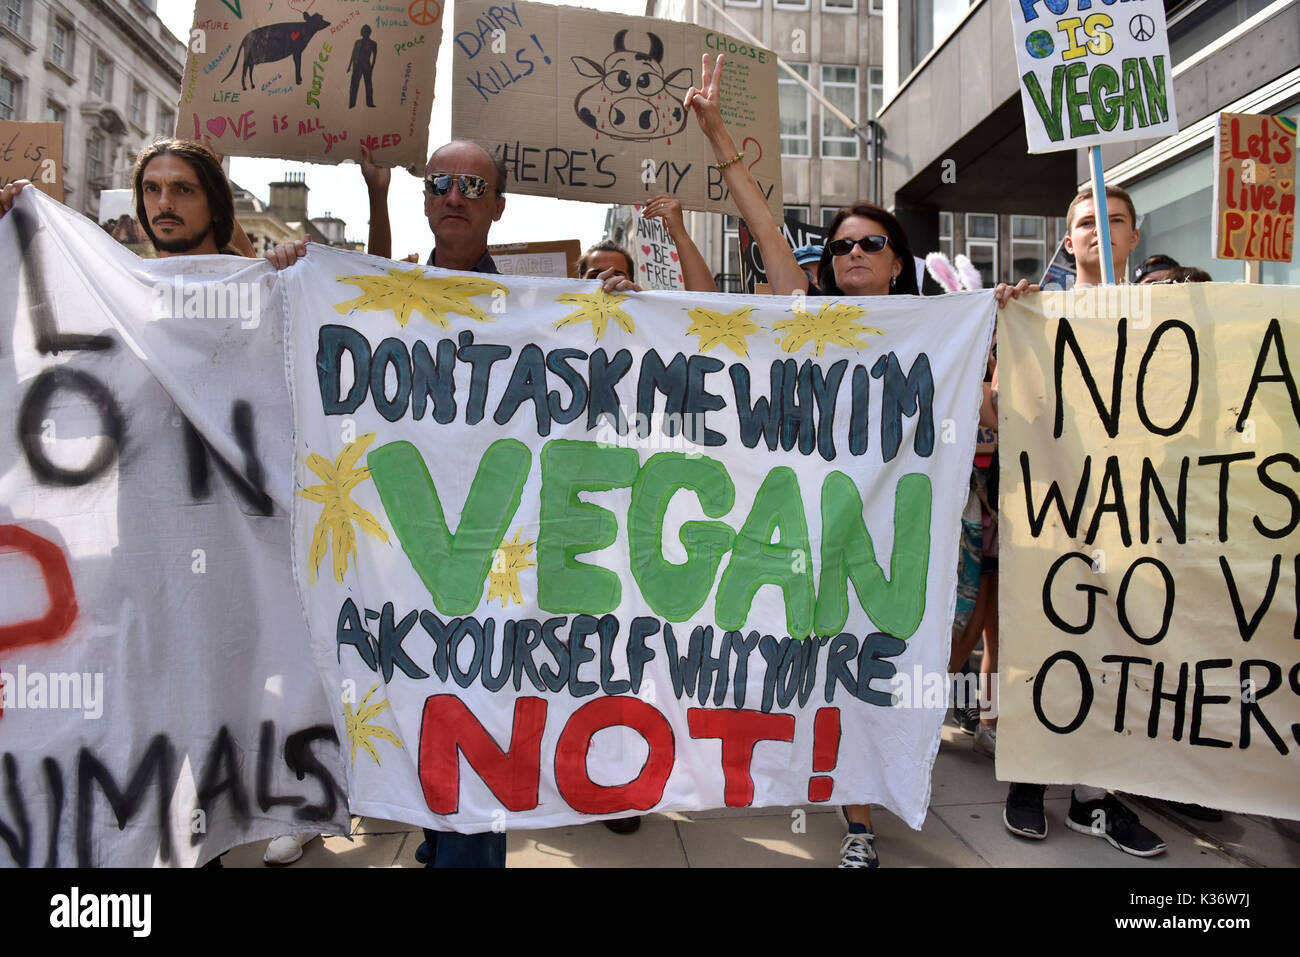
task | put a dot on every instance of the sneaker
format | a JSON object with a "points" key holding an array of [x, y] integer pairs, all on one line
{"points": [[859, 850], [1117, 824], [986, 739], [286, 848], [1023, 813], [968, 719], [624, 825]]}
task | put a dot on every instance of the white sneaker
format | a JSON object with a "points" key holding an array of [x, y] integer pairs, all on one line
{"points": [[286, 848], [859, 850], [986, 739]]}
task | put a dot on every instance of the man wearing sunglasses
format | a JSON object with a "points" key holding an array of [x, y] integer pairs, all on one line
{"points": [[464, 191], [464, 194]]}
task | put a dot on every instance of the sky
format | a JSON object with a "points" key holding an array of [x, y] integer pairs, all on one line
{"points": [[339, 191]]}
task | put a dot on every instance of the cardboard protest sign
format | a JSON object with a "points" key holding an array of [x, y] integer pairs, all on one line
{"points": [[32, 151], [159, 703], [658, 266], [557, 259], [727, 533], [1149, 527], [586, 105], [312, 82], [1092, 74], [797, 233], [1254, 187]]}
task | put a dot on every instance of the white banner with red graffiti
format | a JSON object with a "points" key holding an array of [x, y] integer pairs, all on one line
{"points": [[159, 706], [568, 555]]}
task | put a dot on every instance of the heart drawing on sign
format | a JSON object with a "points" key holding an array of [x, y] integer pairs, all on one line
{"points": [[673, 255], [295, 35], [216, 126], [646, 250], [745, 146]]}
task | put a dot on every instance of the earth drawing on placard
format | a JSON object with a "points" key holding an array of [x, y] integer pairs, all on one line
{"points": [[632, 98]]}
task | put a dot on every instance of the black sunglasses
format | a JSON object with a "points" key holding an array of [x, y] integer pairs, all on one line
{"points": [[471, 186], [870, 244]]}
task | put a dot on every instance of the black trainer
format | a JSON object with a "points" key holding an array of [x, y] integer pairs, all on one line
{"points": [[967, 719], [624, 825], [1117, 824], [1023, 813]]}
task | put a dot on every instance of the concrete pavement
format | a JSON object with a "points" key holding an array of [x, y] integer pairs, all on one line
{"points": [[963, 829]]}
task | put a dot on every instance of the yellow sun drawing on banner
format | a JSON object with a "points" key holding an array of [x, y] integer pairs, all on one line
{"points": [[407, 292], [597, 308], [510, 559], [834, 322], [340, 511], [729, 329], [361, 726]]}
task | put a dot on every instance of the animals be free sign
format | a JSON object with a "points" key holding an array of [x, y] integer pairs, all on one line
{"points": [[1092, 72], [318, 85], [588, 106]]}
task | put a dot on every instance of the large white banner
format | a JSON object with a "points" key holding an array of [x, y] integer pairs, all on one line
{"points": [[540, 606], [158, 702]]}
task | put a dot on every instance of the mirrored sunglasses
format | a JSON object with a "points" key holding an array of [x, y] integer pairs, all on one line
{"points": [[471, 185]]}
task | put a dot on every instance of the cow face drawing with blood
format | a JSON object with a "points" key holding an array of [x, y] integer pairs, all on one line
{"points": [[632, 99], [275, 41]]}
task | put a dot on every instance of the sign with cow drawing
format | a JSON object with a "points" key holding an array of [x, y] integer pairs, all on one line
{"points": [[588, 106], [317, 85]]}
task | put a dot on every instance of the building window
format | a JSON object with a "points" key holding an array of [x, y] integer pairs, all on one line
{"points": [[877, 6], [829, 213], [840, 6], [982, 245], [840, 87], [875, 90], [945, 234], [166, 122], [794, 105], [14, 16], [790, 4], [744, 3], [61, 45], [1028, 247], [799, 213], [139, 105], [101, 78], [54, 113], [95, 159], [11, 89]]}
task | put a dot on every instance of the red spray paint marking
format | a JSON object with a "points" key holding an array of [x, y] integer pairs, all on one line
{"points": [[58, 588], [826, 753]]}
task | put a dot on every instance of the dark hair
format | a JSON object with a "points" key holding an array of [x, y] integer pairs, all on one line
{"points": [[906, 284], [1155, 263], [211, 177], [1188, 274], [1115, 191], [607, 246]]}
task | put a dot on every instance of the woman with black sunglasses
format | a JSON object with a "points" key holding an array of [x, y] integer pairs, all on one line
{"points": [[866, 252]]}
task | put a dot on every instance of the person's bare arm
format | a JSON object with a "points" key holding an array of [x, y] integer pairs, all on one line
{"points": [[783, 271], [380, 242], [695, 271]]}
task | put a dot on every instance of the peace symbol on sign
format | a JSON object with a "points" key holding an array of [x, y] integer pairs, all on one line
{"points": [[1142, 27], [424, 12]]}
